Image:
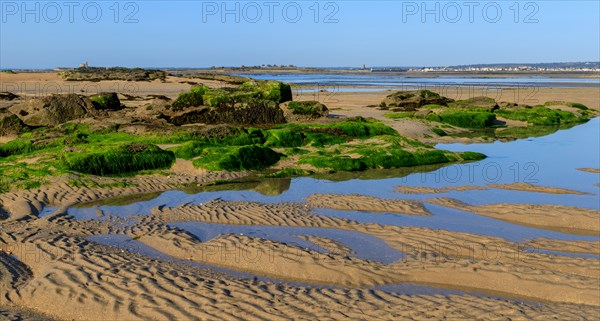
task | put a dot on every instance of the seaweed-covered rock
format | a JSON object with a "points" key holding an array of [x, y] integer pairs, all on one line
{"points": [[10, 124], [411, 100], [106, 101], [114, 73], [53, 110], [259, 112], [508, 105], [303, 110], [481, 101], [270, 90], [190, 99]]}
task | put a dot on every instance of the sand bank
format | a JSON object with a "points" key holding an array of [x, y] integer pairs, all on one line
{"points": [[567, 219], [355, 202], [433, 190], [526, 187]]}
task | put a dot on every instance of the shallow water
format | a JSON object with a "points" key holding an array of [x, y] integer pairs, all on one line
{"points": [[551, 161], [326, 81], [363, 245], [125, 243]]}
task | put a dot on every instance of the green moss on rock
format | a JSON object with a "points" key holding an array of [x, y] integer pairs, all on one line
{"points": [[465, 119], [106, 101], [237, 158], [118, 160]]}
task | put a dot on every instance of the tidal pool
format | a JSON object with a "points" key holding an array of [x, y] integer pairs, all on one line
{"points": [[550, 161]]}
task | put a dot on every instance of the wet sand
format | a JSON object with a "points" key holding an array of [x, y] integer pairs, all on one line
{"points": [[355, 202], [585, 247], [72, 278], [433, 190], [526, 187], [567, 219]]}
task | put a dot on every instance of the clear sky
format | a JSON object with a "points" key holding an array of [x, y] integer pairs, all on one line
{"points": [[338, 33]]}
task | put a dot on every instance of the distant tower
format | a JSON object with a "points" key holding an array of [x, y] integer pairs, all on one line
{"points": [[83, 65], [363, 67]]}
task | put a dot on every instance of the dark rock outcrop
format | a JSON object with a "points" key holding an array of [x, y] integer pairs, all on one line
{"points": [[411, 100], [106, 101], [53, 110], [481, 101], [114, 73], [248, 115], [10, 124], [303, 110], [8, 96]]}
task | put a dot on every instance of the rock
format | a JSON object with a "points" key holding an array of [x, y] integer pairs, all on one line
{"points": [[152, 108], [276, 91], [303, 110], [423, 112], [481, 101], [258, 113], [53, 110], [160, 97], [507, 105], [270, 90], [10, 124], [106, 101], [115, 73], [411, 100], [8, 96]]}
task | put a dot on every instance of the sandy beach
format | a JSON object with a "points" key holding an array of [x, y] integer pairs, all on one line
{"points": [[77, 247]]}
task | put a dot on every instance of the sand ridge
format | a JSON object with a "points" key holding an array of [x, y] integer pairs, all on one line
{"points": [[527, 187], [432, 190], [486, 263], [568, 219], [77, 279], [356, 202], [585, 247]]}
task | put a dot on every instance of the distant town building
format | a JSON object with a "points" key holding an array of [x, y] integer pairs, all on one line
{"points": [[83, 65]]}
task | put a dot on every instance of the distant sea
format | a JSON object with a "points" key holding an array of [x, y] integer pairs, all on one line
{"points": [[392, 81]]}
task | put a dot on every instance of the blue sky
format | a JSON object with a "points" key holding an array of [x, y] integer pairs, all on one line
{"points": [[375, 33]]}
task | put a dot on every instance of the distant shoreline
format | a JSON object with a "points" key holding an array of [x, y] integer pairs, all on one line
{"points": [[407, 74]]}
